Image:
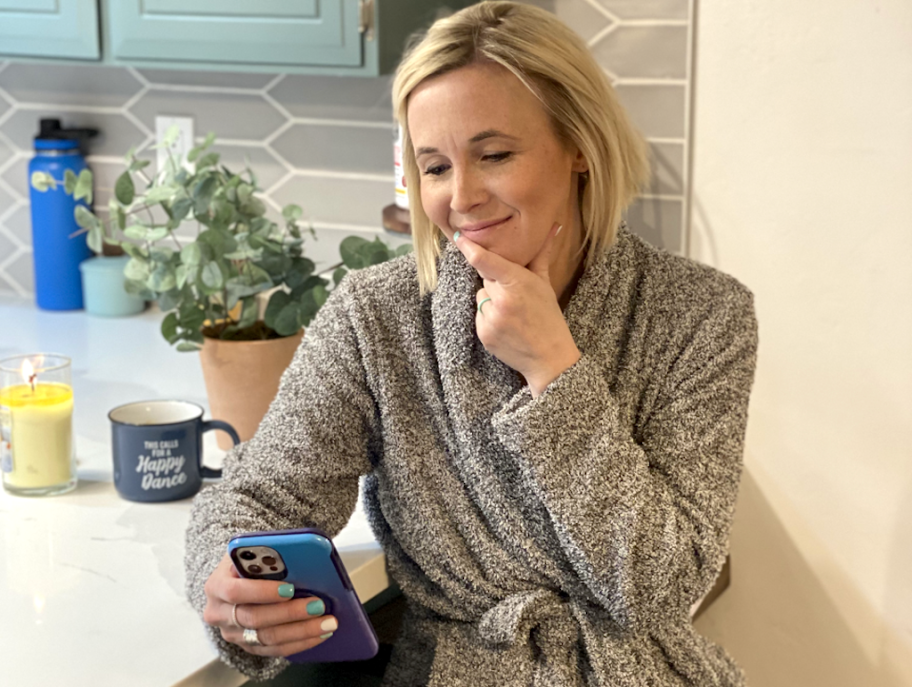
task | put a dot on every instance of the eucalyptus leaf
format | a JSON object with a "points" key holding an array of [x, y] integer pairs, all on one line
{"points": [[289, 320], [69, 181], [212, 275], [137, 269], [180, 208], [42, 181], [157, 194], [169, 326], [208, 160], [249, 313], [338, 274], [276, 304], [169, 300], [136, 231], [84, 218], [83, 188], [188, 347], [191, 254], [292, 212], [124, 190], [191, 315], [181, 274], [157, 234], [95, 239]]}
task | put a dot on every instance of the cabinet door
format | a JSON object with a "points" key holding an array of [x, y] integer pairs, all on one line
{"points": [[49, 28], [265, 32]]}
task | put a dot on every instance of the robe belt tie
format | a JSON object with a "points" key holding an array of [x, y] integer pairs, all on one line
{"points": [[542, 614]]}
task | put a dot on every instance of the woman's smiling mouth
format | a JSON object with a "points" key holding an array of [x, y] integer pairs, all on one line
{"points": [[481, 226]]}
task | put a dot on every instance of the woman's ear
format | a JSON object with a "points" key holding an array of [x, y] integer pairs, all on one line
{"points": [[580, 163]]}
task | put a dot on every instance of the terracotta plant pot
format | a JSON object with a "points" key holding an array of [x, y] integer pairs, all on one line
{"points": [[242, 378]]}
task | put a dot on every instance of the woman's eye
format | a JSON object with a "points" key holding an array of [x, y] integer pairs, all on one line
{"points": [[436, 170], [497, 157]]}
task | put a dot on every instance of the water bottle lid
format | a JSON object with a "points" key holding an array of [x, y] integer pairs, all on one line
{"points": [[51, 136]]}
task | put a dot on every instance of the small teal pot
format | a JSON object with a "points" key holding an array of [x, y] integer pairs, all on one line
{"points": [[103, 288]]}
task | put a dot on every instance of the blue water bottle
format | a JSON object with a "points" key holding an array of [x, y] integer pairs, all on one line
{"points": [[55, 251]]}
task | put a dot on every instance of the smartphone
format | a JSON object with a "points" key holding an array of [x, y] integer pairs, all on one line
{"points": [[308, 559]]}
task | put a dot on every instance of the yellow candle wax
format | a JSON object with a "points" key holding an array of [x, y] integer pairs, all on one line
{"points": [[37, 428]]}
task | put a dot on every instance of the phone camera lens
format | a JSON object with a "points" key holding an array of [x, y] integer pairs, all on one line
{"points": [[255, 569], [248, 555], [269, 560]]}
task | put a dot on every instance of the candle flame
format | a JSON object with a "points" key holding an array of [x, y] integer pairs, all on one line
{"points": [[28, 373]]}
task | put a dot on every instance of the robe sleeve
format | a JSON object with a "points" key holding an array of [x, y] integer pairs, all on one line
{"points": [[300, 469], [645, 523]]}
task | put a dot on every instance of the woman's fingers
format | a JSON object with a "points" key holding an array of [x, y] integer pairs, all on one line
{"points": [[282, 649], [289, 633], [259, 616]]}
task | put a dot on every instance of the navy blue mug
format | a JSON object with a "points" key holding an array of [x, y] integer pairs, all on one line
{"points": [[158, 449]]}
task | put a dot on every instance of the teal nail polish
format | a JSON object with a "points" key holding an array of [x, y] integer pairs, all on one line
{"points": [[326, 636], [456, 235], [316, 608], [286, 591]]}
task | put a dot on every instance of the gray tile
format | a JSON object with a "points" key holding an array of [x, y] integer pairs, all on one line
{"points": [[657, 111], [647, 9], [581, 17], [6, 285], [331, 97], [339, 201], [19, 224], [180, 77], [337, 148], [117, 135], [22, 272], [655, 52], [16, 175], [5, 153], [6, 201], [658, 221], [267, 169], [667, 161], [229, 115], [69, 84], [7, 247], [4, 106]]}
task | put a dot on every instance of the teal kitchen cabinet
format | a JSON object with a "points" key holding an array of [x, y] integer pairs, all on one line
{"points": [[333, 37], [49, 28]]}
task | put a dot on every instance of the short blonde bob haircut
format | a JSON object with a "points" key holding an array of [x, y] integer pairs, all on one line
{"points": [[556, 65]]}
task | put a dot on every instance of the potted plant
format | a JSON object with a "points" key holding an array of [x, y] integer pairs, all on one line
{"points": [[103, 287], [236, 287]]}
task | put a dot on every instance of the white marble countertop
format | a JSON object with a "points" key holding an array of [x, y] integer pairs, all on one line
{"points": [[91, 585]]}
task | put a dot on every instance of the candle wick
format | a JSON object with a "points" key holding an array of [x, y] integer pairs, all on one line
{"points": [[32, 381]]}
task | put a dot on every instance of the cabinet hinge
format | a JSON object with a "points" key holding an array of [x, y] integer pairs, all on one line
{"points": [[366, 19]]}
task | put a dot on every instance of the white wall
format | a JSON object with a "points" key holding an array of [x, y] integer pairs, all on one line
{"points": [[803, 190]]}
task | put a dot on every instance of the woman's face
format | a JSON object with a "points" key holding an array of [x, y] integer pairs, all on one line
{"points": [[491, 165]]}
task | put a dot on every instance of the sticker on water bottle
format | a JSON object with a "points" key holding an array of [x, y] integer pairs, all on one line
{"points": [[6, 440]]}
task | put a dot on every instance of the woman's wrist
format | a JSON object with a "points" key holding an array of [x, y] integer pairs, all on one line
{"points": [[538, 382]]}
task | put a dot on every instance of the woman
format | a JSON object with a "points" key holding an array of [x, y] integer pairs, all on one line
{"points": [[549, 413]]}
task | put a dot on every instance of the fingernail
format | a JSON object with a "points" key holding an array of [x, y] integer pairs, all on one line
{"points": [[329, 625], [286, 591], [316, 608], [456, 235], [558, 229], [326, 636]]}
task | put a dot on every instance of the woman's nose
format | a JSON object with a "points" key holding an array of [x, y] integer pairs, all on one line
{"points": [[467, 192]]}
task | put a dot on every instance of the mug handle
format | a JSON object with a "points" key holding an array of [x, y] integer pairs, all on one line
{"points": [[225, 427]]}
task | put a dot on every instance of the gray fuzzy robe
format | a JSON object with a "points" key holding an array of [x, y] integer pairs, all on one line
{"points": [[557, 541]]}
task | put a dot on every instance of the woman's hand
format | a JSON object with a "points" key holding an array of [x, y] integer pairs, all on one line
{"points": [[522, 324], [283, 625]]}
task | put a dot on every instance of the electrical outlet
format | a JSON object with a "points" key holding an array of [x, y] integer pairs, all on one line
{"points": [[181, 146]]}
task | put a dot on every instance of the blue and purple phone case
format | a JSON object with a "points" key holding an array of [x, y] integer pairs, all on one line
{"points": [[314, 568]]}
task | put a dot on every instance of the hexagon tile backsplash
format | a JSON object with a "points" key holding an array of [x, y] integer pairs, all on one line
{"points": [[325, 143]]}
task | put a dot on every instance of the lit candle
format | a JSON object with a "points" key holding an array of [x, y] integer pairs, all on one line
{"points": [[36, 424]]}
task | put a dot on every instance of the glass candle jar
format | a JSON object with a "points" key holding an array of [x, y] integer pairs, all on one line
{"points": [[36, 425]]}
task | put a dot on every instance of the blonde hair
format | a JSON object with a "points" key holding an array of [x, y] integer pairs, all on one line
{"points": [[556, 65]]}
